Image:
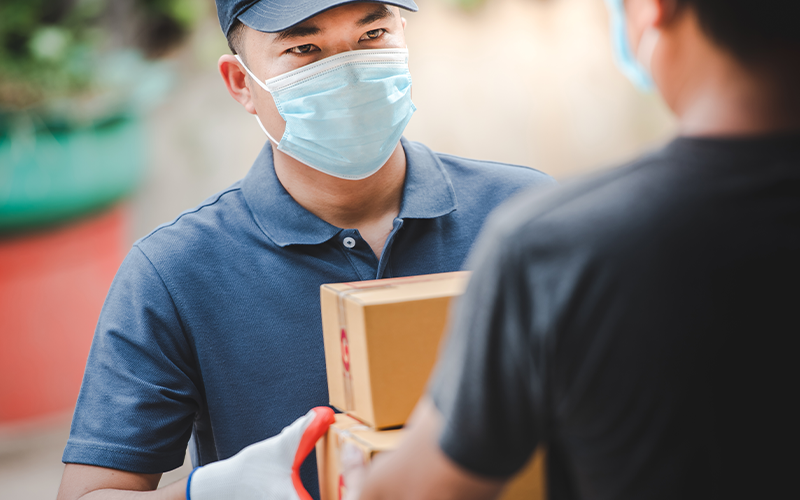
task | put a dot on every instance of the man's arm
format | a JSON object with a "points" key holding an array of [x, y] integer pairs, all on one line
{"points": [[86, 482], [419, 469], [267, 469]]}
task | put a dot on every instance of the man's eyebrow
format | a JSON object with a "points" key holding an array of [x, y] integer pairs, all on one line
{"points": [[378, 13], [297, 32]]}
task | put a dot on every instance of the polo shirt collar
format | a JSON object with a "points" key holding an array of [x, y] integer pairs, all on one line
{"points": [[428, 193]]}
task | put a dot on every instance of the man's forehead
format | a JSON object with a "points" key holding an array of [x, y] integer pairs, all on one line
{"points": [[362, 14]]}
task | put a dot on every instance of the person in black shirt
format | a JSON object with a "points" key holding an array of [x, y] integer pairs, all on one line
{"points": [[638, 324]]}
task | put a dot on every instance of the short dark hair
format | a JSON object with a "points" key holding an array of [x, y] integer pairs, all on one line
{"points": [[749, 28], [236, 37]]}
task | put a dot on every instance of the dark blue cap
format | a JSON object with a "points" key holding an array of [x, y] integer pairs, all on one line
{"points": [[272, 16]]}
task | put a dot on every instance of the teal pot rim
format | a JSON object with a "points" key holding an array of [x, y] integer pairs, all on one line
{"points": [[51, 174]]}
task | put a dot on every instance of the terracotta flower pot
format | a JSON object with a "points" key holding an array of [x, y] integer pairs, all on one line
{"points": [[52, 287]]}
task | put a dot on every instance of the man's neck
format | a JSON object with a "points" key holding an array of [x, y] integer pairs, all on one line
{"points": [[740, 104], [369, 205], [715, 94]]}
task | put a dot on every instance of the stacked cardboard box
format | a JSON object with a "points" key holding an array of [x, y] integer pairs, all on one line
{"points": [[350, 445], [381, 341]]}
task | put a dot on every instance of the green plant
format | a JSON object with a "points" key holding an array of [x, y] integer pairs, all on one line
{"points": [[52, 49], [467, 4]]}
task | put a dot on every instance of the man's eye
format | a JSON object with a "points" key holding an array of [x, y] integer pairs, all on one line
{"points": [[302, 49], [373, 34]]}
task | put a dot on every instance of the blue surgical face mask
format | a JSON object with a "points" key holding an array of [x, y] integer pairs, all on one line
{"points": [[344, 114], [636, 68]]}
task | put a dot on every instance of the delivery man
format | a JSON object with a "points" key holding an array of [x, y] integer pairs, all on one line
{"points": [[639, 325], [211, 332]]}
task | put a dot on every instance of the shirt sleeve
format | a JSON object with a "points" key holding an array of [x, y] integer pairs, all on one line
{"points": [[139, 393], [486, 384]]}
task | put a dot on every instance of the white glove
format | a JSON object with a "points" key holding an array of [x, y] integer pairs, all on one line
{"points": [[269, 469]]}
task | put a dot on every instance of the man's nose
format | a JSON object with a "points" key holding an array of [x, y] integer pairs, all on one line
{"points": [[340, 47]]}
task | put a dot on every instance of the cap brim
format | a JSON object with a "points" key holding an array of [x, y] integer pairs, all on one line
{"points": [[271, 16]]}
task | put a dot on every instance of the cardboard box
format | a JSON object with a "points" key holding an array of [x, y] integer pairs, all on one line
{"points": [[350, 445], [381, 341], [363, 440]]}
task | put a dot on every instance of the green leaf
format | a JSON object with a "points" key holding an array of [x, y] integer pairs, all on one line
{"points": [[49, 43]]}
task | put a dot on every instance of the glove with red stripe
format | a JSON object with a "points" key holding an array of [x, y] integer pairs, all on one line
{"points": [[269, 469]]}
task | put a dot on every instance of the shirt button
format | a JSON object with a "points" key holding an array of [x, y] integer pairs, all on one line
{"points": [[349, 242]]}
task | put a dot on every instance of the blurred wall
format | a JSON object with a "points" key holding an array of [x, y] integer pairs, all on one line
{"points": [[530, 82]]}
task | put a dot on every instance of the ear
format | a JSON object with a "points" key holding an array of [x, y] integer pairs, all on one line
{"points": [[650, 13], [403, 21], [235, 79], [668, 11]]}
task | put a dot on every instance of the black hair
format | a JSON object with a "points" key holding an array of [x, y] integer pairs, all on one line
{"points": [[236, 37], [749, 28]]}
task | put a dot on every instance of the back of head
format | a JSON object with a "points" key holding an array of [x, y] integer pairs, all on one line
{"points": [[725, 67], [750, 29]]}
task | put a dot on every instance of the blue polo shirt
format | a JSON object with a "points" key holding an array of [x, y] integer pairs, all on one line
{"points": [[211, 329]]}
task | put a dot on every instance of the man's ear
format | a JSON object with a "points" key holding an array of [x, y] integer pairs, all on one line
{"points": [[651, 13], [403, 20], [668, 11], [235, 79]]}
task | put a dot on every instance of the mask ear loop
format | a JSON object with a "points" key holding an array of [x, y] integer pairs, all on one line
{"points": [[265, 131], [263, 86], [647, 46]]}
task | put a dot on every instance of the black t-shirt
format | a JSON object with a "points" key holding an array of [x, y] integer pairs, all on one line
{"points": [[640, 326]]}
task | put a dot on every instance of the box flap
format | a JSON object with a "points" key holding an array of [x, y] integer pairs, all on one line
{"points": [[402, 289]]}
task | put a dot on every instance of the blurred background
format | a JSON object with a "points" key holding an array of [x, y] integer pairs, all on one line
{"points": [[113, 120]]}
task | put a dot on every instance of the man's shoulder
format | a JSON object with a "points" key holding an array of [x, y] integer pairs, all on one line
{"points": [[218, 217], [612, 206], [494, 172], [486, 173]]}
